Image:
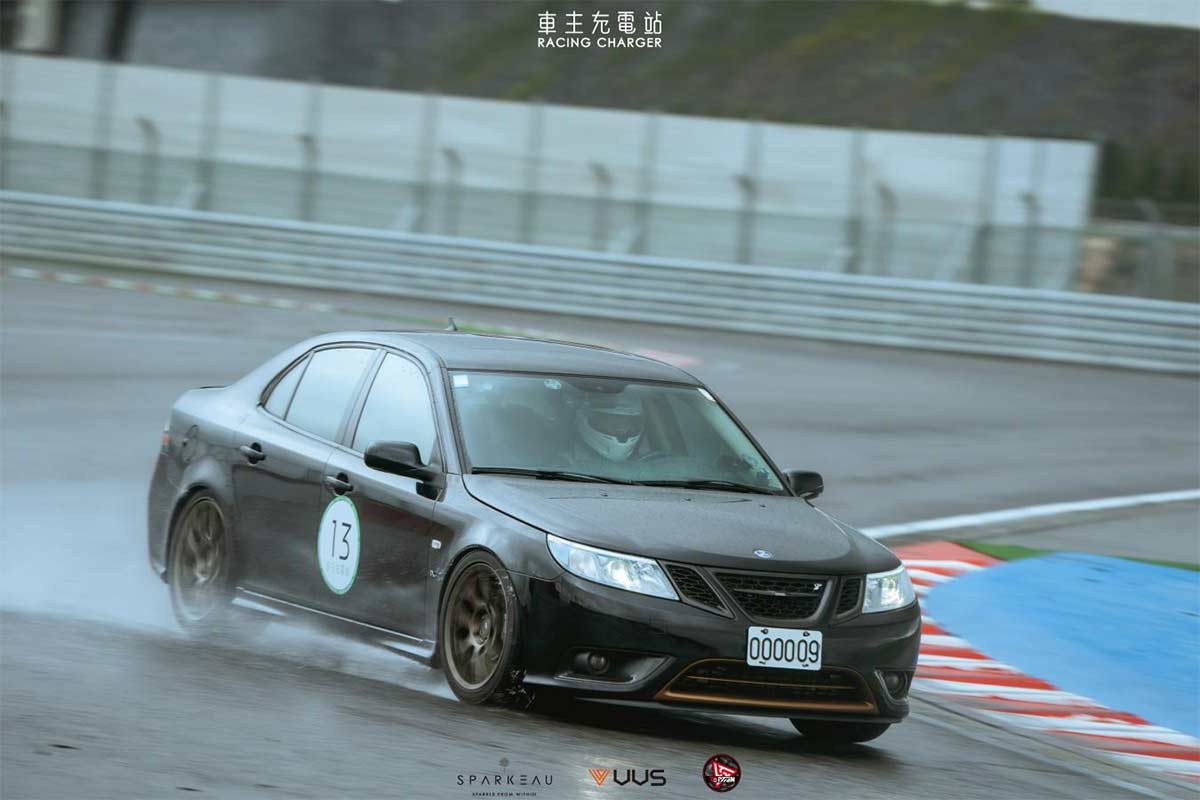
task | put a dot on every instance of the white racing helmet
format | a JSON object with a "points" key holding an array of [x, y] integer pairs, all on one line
{"points": [[612, 429]]}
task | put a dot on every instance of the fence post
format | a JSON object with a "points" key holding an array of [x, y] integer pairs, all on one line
{"points": [[981, 249], [426, 153], [887, 225], [454, 167], [148, 179], [1157, 276], [310, 153], [749, 182], [209, 132], [603, 206], [1029, 239], [8, 70], [102, 131], [1033, 210], [854, 218], [528, 209], [644, 206], [5, 115]]}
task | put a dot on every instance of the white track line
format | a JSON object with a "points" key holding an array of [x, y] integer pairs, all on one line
{"points": [[930, 577], [926, 660], [997, 690], [951, 566], [1172, 765], [945, 641], [1029, 512]]}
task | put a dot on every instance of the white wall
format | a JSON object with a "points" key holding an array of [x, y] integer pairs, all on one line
{"points": [[805, 170]]}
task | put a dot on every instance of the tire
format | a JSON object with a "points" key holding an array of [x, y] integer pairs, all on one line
{"points": [[839, 733], [200, 567], [478, 633]]}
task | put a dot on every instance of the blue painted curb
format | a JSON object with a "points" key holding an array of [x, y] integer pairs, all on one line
{"points": [[1123, 633]]}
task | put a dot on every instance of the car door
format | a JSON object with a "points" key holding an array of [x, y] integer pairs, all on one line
{"points": [[284, 444], [393, 518]]}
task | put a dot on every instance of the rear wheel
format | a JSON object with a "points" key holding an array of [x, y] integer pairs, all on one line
{"points": [[478, 631], [839, 733], [199, 566]]}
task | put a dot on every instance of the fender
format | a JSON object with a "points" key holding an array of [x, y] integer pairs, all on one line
{"points": [[203, 474], [492, 534]]}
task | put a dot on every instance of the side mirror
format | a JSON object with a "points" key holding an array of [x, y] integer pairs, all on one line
{"points": [[808, 485], [399, 458]]}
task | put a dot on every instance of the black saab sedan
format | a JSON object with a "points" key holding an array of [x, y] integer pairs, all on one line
{"points": [[530, 514]]}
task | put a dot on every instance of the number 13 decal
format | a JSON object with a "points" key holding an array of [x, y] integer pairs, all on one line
{"points": [[346, 528], [338, 544]]}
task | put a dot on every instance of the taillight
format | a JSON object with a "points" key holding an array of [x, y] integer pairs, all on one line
{"points": [[166, 437]]}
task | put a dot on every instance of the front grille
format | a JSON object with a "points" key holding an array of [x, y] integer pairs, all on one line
{"points": [[729, 682], [693, 587], [848, 597], [774, 596]]}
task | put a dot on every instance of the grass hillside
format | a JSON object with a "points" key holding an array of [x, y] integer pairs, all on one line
{"points": [[891, 64]]}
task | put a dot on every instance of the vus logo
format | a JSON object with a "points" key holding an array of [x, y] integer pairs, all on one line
{"points": [[630, 777]]}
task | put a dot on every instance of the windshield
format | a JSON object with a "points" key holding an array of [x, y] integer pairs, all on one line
{"points": [[618, 430]]}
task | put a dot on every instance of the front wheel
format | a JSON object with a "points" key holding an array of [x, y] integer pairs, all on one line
{"points": [[478, 632], [839, 733]]}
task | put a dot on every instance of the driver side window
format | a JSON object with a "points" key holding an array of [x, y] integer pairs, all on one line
{"points": [[398, 409]]}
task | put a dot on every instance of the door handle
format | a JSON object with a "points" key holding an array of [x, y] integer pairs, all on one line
{"points": [[252, 452], [339, 484]]}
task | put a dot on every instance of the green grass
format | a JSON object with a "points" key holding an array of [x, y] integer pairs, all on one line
{"points": [[1015, 552]]}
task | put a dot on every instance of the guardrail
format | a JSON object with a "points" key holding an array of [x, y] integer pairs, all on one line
{"points": [[955, 317]]}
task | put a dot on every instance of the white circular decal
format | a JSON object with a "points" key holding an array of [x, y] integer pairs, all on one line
{"points": [[338, 545]]}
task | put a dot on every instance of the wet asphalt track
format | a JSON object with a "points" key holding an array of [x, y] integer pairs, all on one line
{"points": [[120, 706]]}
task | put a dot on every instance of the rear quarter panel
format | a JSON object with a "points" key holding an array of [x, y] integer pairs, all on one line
{"points": [[202, 428]]}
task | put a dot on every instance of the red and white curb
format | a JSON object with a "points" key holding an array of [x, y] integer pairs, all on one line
{"points": [[283, 303], [950, 667]]}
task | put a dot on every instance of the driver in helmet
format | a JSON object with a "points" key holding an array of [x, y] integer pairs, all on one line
{"points": [[610, 426]]}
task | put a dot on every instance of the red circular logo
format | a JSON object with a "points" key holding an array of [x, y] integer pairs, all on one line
{"points": [[721, 773]]}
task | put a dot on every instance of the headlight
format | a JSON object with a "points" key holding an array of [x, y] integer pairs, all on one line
{"points": [[632, 573], [888, 590]]}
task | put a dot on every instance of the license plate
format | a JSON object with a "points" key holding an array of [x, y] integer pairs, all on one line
{"points": [[786, 648]]}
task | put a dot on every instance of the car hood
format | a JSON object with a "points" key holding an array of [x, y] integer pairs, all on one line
{"points": [[710, 528]]}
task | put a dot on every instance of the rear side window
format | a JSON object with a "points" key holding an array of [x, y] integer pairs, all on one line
{"points": [[326, 389], [398, 408], [281, 395]]}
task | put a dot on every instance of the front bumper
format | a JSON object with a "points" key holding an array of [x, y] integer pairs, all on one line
{"points": [[676, 654]]}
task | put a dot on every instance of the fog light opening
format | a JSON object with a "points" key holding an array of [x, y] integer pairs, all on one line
{"points": [[895, 682], [590, 662]]}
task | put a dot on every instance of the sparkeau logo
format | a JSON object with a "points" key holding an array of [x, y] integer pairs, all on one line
{"points": [[505, 783], [629, 777], [721, 773], [602, 29]]}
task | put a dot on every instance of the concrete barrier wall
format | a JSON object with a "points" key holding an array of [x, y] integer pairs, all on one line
{"points": [[669, 185]]}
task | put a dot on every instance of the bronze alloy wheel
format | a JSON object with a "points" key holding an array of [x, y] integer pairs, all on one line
{"points": [[479, 631], [476, 626], [198, 573]]}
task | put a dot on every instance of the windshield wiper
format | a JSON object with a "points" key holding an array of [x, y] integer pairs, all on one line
{"points": [[712, 483], [548, 474]]}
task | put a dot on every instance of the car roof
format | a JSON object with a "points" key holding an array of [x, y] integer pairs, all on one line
{"points": [[476, 351]]}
